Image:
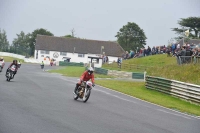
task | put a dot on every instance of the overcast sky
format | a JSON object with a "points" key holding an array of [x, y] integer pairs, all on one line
{"points": [[96, 19]]}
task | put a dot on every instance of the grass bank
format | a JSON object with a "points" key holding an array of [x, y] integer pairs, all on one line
{"points": [[72, 71], [163, 66], [137, 89]]}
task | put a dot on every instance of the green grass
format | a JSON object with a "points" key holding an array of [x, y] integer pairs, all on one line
{"points": [[142, 64], [154, 60], [186, 73], [10, 59], [163, 66], [72, 71], [137, 89]]}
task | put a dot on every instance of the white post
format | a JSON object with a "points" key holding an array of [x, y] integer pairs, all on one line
{"points": [[145, 75]]}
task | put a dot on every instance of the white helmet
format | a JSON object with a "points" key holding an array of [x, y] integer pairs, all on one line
{"points": [[90, 70]]}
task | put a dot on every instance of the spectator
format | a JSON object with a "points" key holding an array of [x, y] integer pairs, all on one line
{"points": [[119, 61], [131, 53], [183, 53], [194, 55], [127, 55], [144, 52], [107, 60], [148, 51], [168, 52], [178, 46], [153, 50], [159, 49], [173, 48], [156, 50]]}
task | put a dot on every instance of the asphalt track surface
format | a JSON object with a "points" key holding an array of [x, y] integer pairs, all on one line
{"points": [[36, 101]]}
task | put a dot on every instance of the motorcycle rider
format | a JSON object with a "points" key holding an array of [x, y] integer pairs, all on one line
{"points": [[16, 65], [2, 61], [86, 76]]}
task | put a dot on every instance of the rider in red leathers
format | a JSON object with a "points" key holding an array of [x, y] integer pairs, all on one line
{"points": [[87, 75]]}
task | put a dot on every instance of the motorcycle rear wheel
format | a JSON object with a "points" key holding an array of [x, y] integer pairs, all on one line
{"points": [[75, 94]]}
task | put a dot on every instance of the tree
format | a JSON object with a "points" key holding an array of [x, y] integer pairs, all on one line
{"points": [[72, 35], [73, 32], [131, 37], [191, 23], [33, 35], [4, 44], [21, 43], [68, 36]]}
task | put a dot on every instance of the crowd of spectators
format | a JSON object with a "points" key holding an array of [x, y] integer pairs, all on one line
{"points": [[171, 50]]}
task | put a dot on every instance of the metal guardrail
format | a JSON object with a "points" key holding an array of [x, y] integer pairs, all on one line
{"points": [[187, 60], [179, 89], [62, 63], [137, 75], [101, 71], [127, 66]]}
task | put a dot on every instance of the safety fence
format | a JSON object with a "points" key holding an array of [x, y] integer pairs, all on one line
{"points": [[188, 59], [179, 89], [126, 66], [101, 71], [62, 63], [120, 74]]}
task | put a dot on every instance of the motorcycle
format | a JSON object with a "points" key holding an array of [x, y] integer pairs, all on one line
{"points": [[83, 91], [10, 72]]}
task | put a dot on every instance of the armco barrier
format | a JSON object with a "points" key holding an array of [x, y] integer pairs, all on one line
{"points": [[137, 75], [101, 71], [62, 63], [179, 89]]}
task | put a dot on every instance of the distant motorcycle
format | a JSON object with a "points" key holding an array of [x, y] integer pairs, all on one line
{"points": [[83, 91], [10, 72], [1, 65]]}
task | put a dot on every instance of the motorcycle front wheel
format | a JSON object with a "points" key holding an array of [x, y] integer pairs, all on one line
{"points": [[87, 95]]}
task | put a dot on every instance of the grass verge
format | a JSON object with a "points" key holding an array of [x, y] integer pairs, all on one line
{"points": [[72, 71], [137, 89]]}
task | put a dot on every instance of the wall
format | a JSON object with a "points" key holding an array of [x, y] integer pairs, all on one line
{"points": [[12, 55], [74, 57]]}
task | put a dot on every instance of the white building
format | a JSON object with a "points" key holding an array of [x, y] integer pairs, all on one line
{"points": [[77, 50]]}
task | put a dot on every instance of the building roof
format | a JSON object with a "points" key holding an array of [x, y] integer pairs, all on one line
{"points": [[75, 45]]}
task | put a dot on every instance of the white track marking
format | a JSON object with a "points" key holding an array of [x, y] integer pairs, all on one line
{"points": [[181, 114], [173, 114]]}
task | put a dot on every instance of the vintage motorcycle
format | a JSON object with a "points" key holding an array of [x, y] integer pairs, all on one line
{"points": [[1, 66], [10, 72], [83, 91]]}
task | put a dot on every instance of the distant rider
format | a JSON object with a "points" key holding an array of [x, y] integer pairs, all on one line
{"points": [[16, 65], [2, 61]]}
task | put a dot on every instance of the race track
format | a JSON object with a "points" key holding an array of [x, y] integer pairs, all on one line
{"points": [[36, 101]]}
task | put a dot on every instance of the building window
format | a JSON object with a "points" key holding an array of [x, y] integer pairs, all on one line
{"points": [[44, 52], [81, 55], [63, 53]]}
